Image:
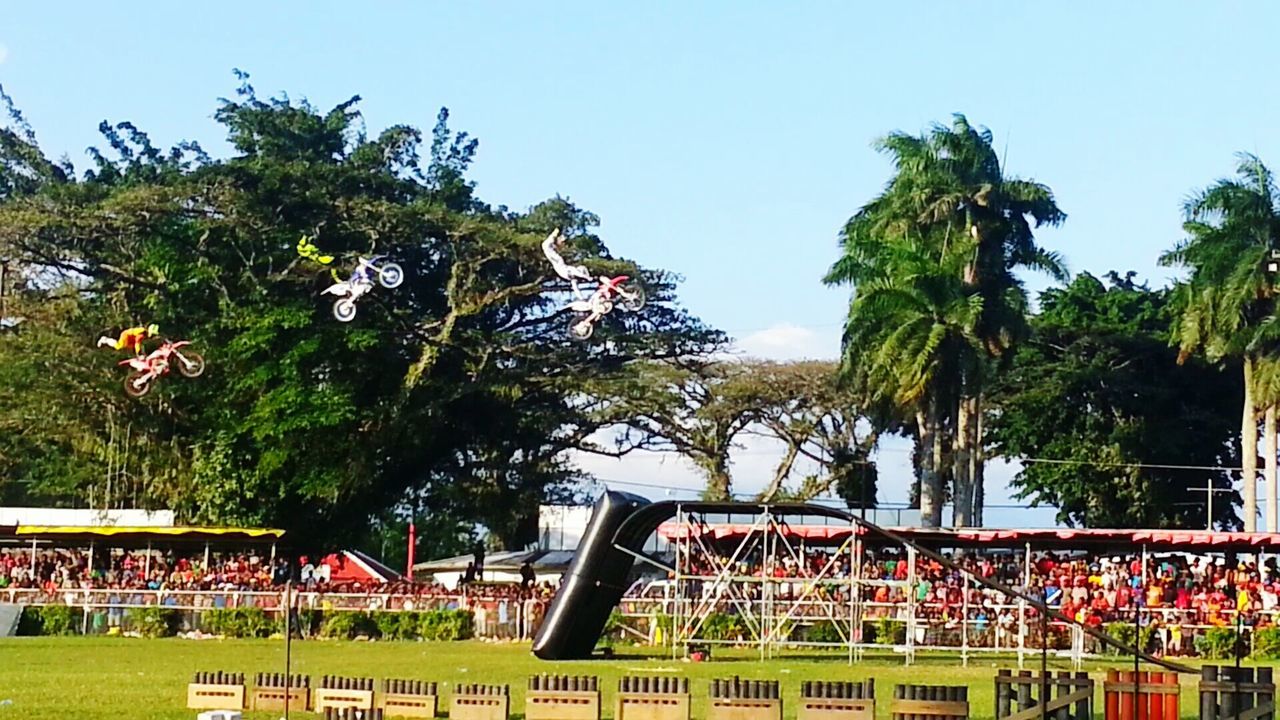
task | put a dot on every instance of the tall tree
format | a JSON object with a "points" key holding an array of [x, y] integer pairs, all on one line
{"points": [[457, 394], [1126, 430], [950, 202], [1227, 307]]}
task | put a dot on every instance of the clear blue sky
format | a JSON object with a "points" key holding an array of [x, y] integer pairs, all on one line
{"points": [[727, 141]]}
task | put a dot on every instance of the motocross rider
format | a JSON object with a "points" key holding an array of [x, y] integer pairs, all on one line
{"points": [[572, 273], [131, 339]]}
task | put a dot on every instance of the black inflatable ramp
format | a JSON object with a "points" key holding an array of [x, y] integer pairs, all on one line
{"points": [[595, 583]]}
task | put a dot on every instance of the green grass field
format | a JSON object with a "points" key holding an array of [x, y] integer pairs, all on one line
{"points": [[99, 678]]}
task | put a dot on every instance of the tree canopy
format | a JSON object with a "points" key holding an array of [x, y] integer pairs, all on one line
{"points": [[1114, 432], [456, 393]]}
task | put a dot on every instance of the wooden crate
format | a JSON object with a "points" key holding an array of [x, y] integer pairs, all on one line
{"points": [[1230, 694], [411, 706], [1153, 695], [651, 698], [472, 702], [272, 698], [737, 699], [1073, 701], [929, 702], [326, 698], [562, 705], [210, 696], [837, 701]]}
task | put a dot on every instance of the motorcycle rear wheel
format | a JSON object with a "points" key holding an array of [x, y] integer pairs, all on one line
{"points": [[581, 330], [132, 388]]}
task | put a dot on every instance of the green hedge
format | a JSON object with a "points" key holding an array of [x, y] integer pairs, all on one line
{"points": [[50, 620], [427, 625], [1217, 643], [823, 631], [245, 622], [154, 622], [1123, 631]]}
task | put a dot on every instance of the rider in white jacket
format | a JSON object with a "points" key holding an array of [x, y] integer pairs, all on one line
{"points": [[572, 273]]}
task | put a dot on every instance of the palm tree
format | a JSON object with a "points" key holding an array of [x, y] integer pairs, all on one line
{"points": [[1227, 308], [908, 336], [950, 190]]}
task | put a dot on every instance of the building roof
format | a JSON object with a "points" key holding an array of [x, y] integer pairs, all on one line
{"points": [[1039, 539], [128, 534], [506, 561]]}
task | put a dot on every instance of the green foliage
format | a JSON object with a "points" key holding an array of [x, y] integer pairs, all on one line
{"points": [[243, 622], [1266, 644], [398, 625], [1098, 383], [155, 622], [451, 399], [446, 625], [49, 620], [889, 631], [722, 626], [426, 625], [308, 621], [823, 631], [1218, 643], [1123, 631], [936, 301], [348, 625]]}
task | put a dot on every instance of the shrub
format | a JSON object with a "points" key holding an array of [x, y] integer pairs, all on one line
{"points": [[49, 620], [722, 626], [612, 632], [399, 625], [824, 632], [308, 621], [348, 625], [246, 622], [446, 625], [1266, 643], [1123, 631], [1218, 644], [155, 622], [890, 631]]}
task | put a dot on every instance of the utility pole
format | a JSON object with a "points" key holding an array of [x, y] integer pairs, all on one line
{"points": [[1209, 491], [4, 296]]}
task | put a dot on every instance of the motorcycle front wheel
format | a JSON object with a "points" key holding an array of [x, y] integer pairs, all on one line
{"points": [[137, 384], [190, 364], [390, 276], [632, 300], [344, 310], [581, 330]]}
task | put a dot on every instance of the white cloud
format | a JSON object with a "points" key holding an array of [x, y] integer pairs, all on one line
{"points": [[4, 53], [790, 342]]}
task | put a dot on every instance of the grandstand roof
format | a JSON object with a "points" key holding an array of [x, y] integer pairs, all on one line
{"points": [[1052, 538], [116, 533]]}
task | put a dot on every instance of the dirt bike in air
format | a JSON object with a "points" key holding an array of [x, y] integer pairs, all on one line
{"points": [[149, 368], [612, 291], [368, 272]]}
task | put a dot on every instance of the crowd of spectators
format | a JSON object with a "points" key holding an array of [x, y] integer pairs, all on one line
{"points": [[53, 572], [1176, 594]]}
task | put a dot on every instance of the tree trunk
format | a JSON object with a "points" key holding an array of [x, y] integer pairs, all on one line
{"points": [[931, 442], [1269, 467], [926, 436], [1249, 452], [979, 464], [780, 473], [962, 458], [719, 482]]}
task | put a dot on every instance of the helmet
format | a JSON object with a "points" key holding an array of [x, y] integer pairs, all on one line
{"points": [[153, 329]]}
